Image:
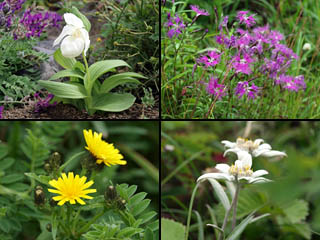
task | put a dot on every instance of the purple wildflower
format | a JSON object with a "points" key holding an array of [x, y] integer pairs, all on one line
{"points": [[242, 64], [213, 88], [1, 111], [211, 59], [224, 23], [244, 88], [35, 24], [244, 18], [199, 11], [175, 26], [42, 104], [291, 83]]}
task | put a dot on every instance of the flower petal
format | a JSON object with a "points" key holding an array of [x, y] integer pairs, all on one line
{"points": [[72, 19], [222, 167], [234, 150], [72, 46], [259, 180], [228, 144], [66, 31], [246, 158], [222, 176], [85, 36], [258, 141], [259, 173]]}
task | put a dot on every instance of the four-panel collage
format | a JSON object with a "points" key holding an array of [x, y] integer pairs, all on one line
{"points": [[138, 120]]}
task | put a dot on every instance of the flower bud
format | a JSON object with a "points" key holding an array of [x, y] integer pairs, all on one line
{"points": [[52, 202], [39, 197], [110, 193], [121, 204], [49, 227]]}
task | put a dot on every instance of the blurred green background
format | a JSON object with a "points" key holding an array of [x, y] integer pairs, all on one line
{"points": [[293, 199]]}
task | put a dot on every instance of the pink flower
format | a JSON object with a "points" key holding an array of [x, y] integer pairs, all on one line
{"points": [[244, 18], [242, 64], [211, 59], [199, 11], [213, 88], [243, 88]]}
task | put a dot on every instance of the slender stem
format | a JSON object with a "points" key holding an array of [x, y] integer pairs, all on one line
{"points": [[88, 225], [88, 86], [70, 160], [234, 220], [190, 210], [235, 198]]}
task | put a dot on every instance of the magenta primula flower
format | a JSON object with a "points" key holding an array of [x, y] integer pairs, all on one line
{"points": [[175, 26], [243, 88], [213, 88], [244, 18], [211, 59], [199, 11]]}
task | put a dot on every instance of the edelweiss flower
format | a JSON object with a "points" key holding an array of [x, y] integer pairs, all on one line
{"points": [[101, 150], [74, 37], [241, 169], [252, 147], [71, 188]]}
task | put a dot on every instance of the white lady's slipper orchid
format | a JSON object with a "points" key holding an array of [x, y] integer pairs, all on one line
{"points": [[241, 170], [74, 37], [252, 147]]}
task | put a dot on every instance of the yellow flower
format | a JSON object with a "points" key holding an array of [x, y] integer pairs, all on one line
{"points": [[101, 150], [71, 188], [99, 39]]}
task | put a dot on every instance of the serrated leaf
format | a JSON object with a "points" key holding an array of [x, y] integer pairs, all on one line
{"points": [[6, 163], [128, 232], [296, 211], [140, 207], [137, 198], [172, 230], [11, 178], [223, 198]]}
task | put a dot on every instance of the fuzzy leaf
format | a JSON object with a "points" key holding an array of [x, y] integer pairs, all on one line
{"points": [[15, 177], [296, 211], [240, 228], [221, 194], [172, 230]]}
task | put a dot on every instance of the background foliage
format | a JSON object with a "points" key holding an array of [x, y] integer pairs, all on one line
{"points": [[26, 145], [190, 148]]}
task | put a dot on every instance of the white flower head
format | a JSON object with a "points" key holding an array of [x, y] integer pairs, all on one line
{"points": [[74, 37], [306, 46], [256, 148], [240, 170]]}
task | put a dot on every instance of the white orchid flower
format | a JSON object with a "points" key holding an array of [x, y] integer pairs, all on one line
{"points": [[241, 170], [74, 37], [255, 148]]}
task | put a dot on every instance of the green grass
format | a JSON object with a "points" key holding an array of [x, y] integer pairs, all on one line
{"points": [[299, 21]]}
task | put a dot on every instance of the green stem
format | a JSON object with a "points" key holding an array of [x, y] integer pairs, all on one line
{"points": [[234, 220], [70, 160], [190, 210], [93, 220], [88, 87], [235, 198]]}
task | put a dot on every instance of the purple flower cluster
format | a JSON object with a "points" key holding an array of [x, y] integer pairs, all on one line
{"points": [[175, 25], [243, 88], [213, 88], [199, 11], [244, 18], [211, 59], [42, 104], [1, 111], [36, 23]]}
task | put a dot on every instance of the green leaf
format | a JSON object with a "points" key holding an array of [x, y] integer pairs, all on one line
{"points": [[140, 207], [146, 217], [148, 235], [5, 225], [223, 198], [65, 90], [64, 62], [86, 22], [128, 232], [41, 178], [200, 226], [19, 187], [172, 230], [54, 225], [3, 211], [240, 228], [303, 229], [15, 177], [118, 79], [137, 198], [113, 102], [131, 190], [3, 150], [99, 68], [67, 73], [296, 211], [6, 163]]}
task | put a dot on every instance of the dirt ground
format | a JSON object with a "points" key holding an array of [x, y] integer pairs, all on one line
{"points": [[66, 111]]}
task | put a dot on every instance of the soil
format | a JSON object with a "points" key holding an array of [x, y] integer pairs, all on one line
{"points": [[66, 111]]}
